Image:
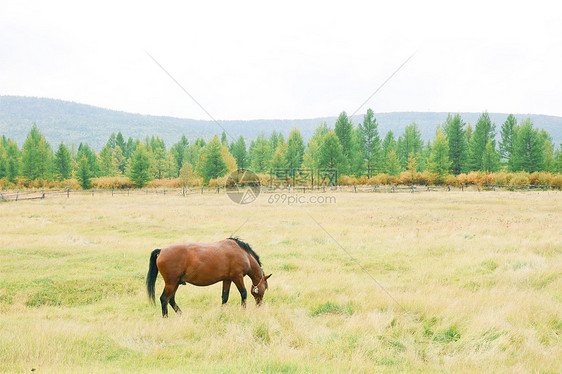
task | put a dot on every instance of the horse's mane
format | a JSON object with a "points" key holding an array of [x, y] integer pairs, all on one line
{"points": [[245, 246]]}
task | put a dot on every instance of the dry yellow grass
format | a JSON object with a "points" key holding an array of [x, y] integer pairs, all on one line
{"points": [[478, 275]]}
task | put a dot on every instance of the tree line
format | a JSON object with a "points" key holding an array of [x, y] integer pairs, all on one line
{"points": [[352, 150]]}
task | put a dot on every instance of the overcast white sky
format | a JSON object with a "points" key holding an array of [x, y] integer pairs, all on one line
{"points": [[250, 60]]}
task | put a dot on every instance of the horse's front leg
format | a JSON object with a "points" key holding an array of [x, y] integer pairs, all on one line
{"points": [[225, 290], [239, 282]]}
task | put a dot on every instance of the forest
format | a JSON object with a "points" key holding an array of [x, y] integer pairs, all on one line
{"points": [[509, 153]]}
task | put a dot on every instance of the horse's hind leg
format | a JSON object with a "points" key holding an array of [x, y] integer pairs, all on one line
{"points": [[173, 301], [167, 294]]}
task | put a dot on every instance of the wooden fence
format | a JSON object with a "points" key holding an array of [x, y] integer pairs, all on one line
{"points": [[41, 194]]}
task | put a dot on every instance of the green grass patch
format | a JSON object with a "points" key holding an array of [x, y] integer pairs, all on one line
{"points": [[332, 308], [289, 267], [77, 292], [448, 335]]}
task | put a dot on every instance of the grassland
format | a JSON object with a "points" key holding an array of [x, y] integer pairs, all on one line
{"points": [[479, 276]]}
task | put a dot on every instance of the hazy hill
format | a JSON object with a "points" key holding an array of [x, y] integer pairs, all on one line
{"points": [[72, 122]]}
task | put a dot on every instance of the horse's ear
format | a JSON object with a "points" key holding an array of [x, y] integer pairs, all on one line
{"points": [[267, 276]]}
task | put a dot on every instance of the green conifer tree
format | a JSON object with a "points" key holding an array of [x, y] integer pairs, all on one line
{"points": [[331, 153], [240, 153], [392, 166], [454, 129], [507, 134], [483, 132], [439, 160], [344, 131], [279, 163], [261, 154], [295, 149], [490, 158], [140, 166], [37, 156], [62, 163], [83, 174], [212, 164], [410, 142], [527, 148], [370, 149], [312, 155]]}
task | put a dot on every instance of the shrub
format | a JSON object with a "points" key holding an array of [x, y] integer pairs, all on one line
{"points": [[500, 178], [534, 178], [217, 182], [383, 179], [265, 179], [473, 178], [377, 179], [164, 183], [197, 182], [346, 180], [451, 180], [487, 178], [556, 180], [70, 184], [363, 180], [407, 177], [42, 183], [462, 179], [519, 179], [429, 178], [4, 183], [543, 178], [105, 183]]}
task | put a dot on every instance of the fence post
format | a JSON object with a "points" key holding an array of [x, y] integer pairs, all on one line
{"points": [[449, 187], [355, 188], [112, 192], [201, 190], [43, 193], [17, 195], [462, 187]]}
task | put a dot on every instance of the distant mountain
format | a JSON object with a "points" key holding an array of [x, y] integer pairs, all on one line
{"points": [[72, 122]]}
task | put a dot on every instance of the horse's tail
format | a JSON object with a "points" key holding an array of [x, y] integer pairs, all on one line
{"points": [[152, 274]]}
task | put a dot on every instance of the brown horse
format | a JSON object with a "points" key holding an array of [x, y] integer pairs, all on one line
{"points": [[203, 264]]}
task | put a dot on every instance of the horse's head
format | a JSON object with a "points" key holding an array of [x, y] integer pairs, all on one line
{"points": [[259, 289]]}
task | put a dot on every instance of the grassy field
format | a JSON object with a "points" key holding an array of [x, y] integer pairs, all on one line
{"points": [[479, 276]]}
